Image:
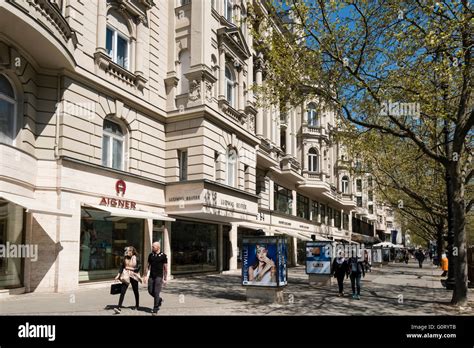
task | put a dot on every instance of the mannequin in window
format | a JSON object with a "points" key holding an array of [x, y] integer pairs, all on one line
{"points": [[85, 249]]}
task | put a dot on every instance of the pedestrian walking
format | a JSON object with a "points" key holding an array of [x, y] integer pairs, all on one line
{"points": [[444, 265], [340, 269], [367, 263], [420, 256], [356, 269], [129, 275], [157, 275]]}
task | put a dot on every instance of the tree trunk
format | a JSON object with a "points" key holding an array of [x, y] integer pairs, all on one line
{"points": [[460, 248], [439, 240]]}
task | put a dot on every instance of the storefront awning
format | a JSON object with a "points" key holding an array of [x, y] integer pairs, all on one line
{"points": [[137, 214], [294, 234], [251, 226], [32, 205]]}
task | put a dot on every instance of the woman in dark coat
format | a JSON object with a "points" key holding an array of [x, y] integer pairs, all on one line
{"points": [[340, 269]]}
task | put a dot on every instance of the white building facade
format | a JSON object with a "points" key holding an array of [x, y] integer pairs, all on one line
{"points": [[129, 121]]}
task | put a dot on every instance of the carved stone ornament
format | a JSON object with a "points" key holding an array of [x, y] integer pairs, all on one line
{"points": [[194, 90]]}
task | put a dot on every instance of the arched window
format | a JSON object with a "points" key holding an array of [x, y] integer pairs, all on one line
{"points": [[312, 115], [345, 184], [184, 62], [113, 143], [231, 167], [7, 111], [313, 160], [117, 41], [228, 10], [230, 83]]}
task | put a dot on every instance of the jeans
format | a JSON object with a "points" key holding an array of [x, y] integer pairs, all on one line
{"points": [[355, 280], [340, 282], [134, 284], [154, 289]]}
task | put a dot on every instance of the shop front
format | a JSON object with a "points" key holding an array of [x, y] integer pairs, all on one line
{"points": [[109, 224], [194, 247], [204, 236], [12, 232]]}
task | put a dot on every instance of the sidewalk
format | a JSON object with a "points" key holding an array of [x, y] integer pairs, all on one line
{"points": [[395, 289]]}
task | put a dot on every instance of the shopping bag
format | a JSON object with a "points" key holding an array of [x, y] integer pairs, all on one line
{"points": [[115, 288]]}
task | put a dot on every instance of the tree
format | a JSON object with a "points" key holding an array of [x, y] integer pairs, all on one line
{"points": [[400, 68]]}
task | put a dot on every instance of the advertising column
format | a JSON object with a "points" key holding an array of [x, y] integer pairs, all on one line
{"points": [[264, 268], [318, 262]]}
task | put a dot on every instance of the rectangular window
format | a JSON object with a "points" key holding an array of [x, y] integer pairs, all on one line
{"points": [[330, 216], [337, 219], [230, 94], [359, 185], [117, 47], [283, 199], [371, 209], [359, 201], [370, 181], [183, 165], [371, 196], [323, 213], [7, 122], [302, 206], [109, 42], [314, 211], [345, 221], [117, 151]]}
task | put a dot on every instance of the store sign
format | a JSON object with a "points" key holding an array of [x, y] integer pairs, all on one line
{"points": [[120, 188]]}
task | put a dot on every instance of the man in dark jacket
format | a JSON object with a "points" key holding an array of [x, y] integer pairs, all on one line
{"points": [[340, 268], [356, 269], [420, 256]]}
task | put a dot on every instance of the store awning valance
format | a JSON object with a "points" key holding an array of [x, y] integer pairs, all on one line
{"points": [[295, 234], [33, 205], [129, 213], [251, 226]]}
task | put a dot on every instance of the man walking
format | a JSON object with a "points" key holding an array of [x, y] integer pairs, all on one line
{"points": [[356, 269], [420, 256], [157, 272]]}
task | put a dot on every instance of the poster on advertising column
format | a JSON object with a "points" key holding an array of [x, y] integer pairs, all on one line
{"points": [[318, 257], [264, 262]]}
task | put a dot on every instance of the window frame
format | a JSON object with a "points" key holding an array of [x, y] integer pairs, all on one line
{"points": [[281, 191], [111, 137], [312, 115], [230, 82], [234, 169], [228, 15], [345, 184], [304, 201], [311, 158], [183, 165], [113, 56], [13, 101]]}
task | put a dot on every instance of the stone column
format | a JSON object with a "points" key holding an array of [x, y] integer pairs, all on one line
{"points": [[293, 208], [241, 104], [288, 135], [294, 251], [221, 73], [259, 110], [101, 25], [139, 46], [234, 247]]}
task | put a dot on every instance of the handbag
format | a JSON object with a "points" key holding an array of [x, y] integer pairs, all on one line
{"points": [[115, 288], [125, 277]]}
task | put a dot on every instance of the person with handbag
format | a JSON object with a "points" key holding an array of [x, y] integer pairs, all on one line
{"points": [[129, 274], [157, 272]]}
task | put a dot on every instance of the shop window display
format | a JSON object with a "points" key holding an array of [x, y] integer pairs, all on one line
{"points": [[102, 243]]}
